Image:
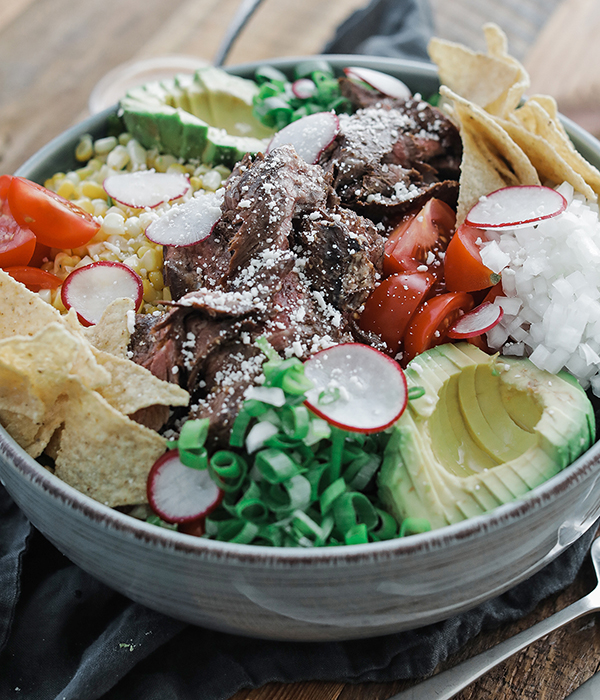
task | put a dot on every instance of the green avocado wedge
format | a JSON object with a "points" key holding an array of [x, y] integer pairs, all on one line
{"points": [[486, 431], [207, 117]]}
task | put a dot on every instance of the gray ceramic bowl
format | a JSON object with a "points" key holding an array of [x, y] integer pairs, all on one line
{"points": [[325, 594]]}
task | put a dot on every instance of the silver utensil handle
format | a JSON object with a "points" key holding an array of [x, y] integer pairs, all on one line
{"points": [[445, 685], [244, 12]]}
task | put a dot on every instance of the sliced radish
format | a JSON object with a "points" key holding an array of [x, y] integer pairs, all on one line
{"points": [[188, 223], [146, 188], [179, 494], [480, 320], [303, 88], [90, 289], [382, 82], [310, 135], [521, 205], [356, 387]]}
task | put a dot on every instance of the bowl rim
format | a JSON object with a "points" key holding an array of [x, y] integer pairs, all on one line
{"points": [[440, 538]]}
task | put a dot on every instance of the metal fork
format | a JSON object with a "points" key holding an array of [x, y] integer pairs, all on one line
{"points": [[448, 683]]}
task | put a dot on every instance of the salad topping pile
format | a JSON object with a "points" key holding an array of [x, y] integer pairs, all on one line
{"points": [[254, 312]]}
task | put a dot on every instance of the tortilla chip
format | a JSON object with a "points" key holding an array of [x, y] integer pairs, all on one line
{"points": [[493, 81], [539, 116], [112, 332], [546, 159], [126, 385], [101, 452], [491, 159], [133, 387]]}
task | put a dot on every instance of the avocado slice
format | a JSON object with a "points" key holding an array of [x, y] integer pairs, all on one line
{"points": [[486, 431], [207, 116]]}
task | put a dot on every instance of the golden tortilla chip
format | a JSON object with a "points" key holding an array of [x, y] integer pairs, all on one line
{"points": [[133, 387], [539, 116], [491, 159], [493, 81], [546, 158], [101, 452], [112, 332], [126, 385]]}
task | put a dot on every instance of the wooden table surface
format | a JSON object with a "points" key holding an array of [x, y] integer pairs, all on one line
{"points": [[53, 52]]}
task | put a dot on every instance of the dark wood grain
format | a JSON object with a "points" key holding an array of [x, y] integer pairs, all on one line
{"points": [[53, 52]]}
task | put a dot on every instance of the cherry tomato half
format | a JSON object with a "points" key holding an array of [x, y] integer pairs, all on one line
{"points": [[56, 221], [392, 304], [34, 278], [411, 242], [463, 266], [16, 242], [429, 325]]}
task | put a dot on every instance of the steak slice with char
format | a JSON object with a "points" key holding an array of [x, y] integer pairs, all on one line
{"points": [[387, 159]]}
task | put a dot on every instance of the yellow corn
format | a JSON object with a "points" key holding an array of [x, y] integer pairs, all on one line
{"points": [[151, 260], [155, 277], [65, 189], [93, 190], [85, 149]]}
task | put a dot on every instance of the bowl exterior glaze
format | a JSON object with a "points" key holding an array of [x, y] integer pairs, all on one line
{"points": [[332, 593]]}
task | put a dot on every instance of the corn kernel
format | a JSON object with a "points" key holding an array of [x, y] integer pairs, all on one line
{"points": [[65, 189], [151, 259], [163, 161], [93, 190], [212, 180], [137, 154], [125, 138], [132, 226], [113, 224], [104, 146], [85, 204], [177, 168], [195, 183], [223, 171], [150, 293], [57, 303], [118, 158], [85, 149], [166, 294], [156, 279], [100, 207]]}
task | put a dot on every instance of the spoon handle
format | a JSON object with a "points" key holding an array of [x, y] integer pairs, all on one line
{"points": [[445, 685], [244, 12]]}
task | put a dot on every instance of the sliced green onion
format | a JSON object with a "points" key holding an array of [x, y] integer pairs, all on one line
{"points": [[239, 428], [415, 392], [275, 466], [228, 470], [387, 528], [295, 421], [329, 495], [338, 439], [190, 444], [357, 534], [361, 470], [285, 497], [414, 526], [352, 508]]}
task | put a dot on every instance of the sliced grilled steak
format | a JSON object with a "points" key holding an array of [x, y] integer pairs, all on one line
{"points": [[387, 158]]}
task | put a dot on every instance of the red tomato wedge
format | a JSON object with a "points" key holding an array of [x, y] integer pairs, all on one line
{"points": [[34, 278], [429, 326], [416, 239], [463, 266], [391, 305], [17, 243], [54, 220]]}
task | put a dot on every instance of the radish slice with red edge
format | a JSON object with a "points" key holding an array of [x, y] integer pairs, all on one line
{"points": [[146, 188], [309, 136], [187, 223], [180, 494], [480, 320], [356, 387], [382, 82], [512, 207], [303, 88], [90, 289]]}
